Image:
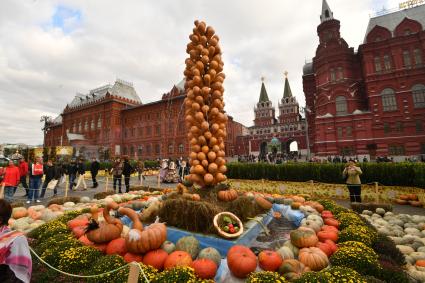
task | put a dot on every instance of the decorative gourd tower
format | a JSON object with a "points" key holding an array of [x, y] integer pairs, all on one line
{"points": [[204, 114]]}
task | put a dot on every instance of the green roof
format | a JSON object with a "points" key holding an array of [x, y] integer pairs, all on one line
{"points": [[263, 94], [287, 92]]}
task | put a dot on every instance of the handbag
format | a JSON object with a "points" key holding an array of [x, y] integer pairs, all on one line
{"points": [[52, 184]]}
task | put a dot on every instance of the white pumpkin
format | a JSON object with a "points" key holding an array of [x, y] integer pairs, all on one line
{"points": [[367, 212], [286, 253], [397, 240], [69, 204], [416, 274], [380, 211], [293, 248], [405, 249], [22, 223], [316, 218], [85, 199], [409, 259], [417, 256]]}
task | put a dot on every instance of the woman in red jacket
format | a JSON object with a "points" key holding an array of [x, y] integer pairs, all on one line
{"points": [[11, 181]]}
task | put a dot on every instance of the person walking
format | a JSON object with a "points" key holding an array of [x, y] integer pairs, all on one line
{"points": [[49, 175], [11, 181], [117, 174], [81, 170], [94, 169], [36, 173], [126, 171], [72, 172], [352, 174], [140, 167], [23, 172]]}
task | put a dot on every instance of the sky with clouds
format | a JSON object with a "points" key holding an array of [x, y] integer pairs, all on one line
{"points": [[52, 49]]}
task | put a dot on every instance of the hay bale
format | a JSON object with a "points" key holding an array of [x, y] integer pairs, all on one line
{"points": [[195, 216], [103, 195], [62, 200], [244, 208]]}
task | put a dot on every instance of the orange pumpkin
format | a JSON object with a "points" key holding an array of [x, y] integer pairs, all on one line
{"points": [[86, 242], [401, 201], [327, 235], [269, 260], [327, 214], [296, 205], [303, 237], [100, 247], [204, 268], [314, 258], [116, 246], [420, 262], [241, 261], [328, 247], [263, 203], [416, 203], [156, 258], [329, 228], [332, 222], [104, 232], [19, 212], [142, 241], [78, 231], [227, 195], [129, 257], [177, 258]]}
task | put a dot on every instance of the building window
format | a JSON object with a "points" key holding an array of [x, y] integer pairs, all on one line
{"points": [[148, 149], [170, 148], [422, 148], [79, 127], [99, 123], [399, 126], [181, 148], [132, 150], [92, 124], [133, 132], [396, 150], [347, 151], [340, 73], [148, 131], [124, 150], [140, 150], [418, 92], [418, 57], [341, 105], [387, 62], [140, 131], [333, 75], [419, 126], [158, 130], [349, 131], [170, 129], [157, 149], [407, 32], [389, 102], [339, 131], [378, 67], [74, 128], [387, 128], [406, 59], [125, 133], [86, 125]]}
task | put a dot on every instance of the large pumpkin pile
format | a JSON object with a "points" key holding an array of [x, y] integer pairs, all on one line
{"points": [[205, 117]]}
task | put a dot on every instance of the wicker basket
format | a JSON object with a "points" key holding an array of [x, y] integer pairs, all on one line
{"points": [[217, 221]]}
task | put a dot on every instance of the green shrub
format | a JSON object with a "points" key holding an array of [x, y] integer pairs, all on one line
{"points": [[340, 274], [357, 256], [105, 264], [265, 277], [348, 219], [395, 174], [311, 277], [176, 275], [358, 233]]}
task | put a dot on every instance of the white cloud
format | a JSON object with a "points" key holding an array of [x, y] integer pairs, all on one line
{"points": [[43, 66]]}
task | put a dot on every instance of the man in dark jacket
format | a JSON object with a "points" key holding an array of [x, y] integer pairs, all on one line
{"points": [[49, 175], [94, 169], [72, 172], [126, 171]]}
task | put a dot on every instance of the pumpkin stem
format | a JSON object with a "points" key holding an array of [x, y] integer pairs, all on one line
{"points": [[133, 216]]}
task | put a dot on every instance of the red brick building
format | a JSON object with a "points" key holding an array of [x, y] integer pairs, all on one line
{"points": [[369, 102], [112, 120], [274, 135]]}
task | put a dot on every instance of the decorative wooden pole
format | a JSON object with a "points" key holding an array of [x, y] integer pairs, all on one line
{"points": [[107, 183], [376, 192], [66, 185], [133, 275]]}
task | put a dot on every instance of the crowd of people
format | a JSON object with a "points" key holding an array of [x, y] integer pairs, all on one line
{"points": [[273, 158]]}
